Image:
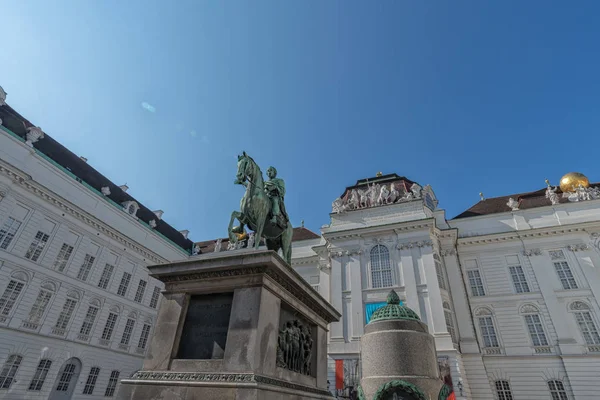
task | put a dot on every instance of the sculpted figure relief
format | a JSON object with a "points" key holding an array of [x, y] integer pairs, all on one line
{"points": [[294, 347], [384, 195]]}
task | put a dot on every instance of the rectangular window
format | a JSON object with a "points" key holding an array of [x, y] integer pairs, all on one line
{"points": [[503, 390], [124, 284], [91, 380], [9, 370], [476, 282], [86, 267], [139, 294], [154, 299], [39, 306], [8, 232], [63, 257], [518, 278], [127, 331], [65, 378], [565, 275], [37, 245], [587, 327], [536, 330], [488, 332], [106, 274], [440, 275], [109, 327], [88, 321], [40, 375], [144, 336], [65, 314], [112, 384], [9, 297]]}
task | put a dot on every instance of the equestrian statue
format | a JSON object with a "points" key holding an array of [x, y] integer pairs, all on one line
{"points": [[262, 208]]}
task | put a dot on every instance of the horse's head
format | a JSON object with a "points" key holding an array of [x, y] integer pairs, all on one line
{"points": [[243, 163]]}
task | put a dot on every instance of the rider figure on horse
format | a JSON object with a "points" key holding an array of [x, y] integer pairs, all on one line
{"points": [[275, 189]]}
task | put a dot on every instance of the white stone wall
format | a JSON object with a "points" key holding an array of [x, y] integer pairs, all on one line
{"points": [[49, 200], [491, 244]]}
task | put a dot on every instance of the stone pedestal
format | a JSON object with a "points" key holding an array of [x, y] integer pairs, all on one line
{"points": [[398, 356], [235, 325]]}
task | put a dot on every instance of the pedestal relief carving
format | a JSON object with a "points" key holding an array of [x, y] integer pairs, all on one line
{"points": [[295, 346]]}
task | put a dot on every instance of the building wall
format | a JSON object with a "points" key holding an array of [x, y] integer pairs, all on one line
{"points": [[522, 245], [43, 198]]}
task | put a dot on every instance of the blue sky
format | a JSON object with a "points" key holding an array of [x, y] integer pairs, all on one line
{"points": [[467, 96]]}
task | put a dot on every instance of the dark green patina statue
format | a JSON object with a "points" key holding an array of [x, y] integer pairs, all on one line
{"points": [[262, 208]]}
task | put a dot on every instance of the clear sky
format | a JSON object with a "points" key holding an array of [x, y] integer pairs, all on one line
{"points": [[468, 96]]}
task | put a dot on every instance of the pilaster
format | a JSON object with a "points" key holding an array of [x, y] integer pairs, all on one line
{"points": [[336, 328]]}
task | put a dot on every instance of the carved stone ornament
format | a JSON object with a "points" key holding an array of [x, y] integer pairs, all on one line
{"points": [[294, 347], [2, 97], [582, 194], [532, 252], [105, 190], [483, 311], [196, 250], [557, 255], [449, 252], [184, 233], [578, 247], [529, 309], [34, 133], [375, 195], [131, 207], [218, 245], [152, 224], [410, 245], [579, 306], [551, 195], [513, 204]]}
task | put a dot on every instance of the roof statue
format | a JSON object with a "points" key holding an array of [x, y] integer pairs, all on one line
{"points": [[262, 208]]}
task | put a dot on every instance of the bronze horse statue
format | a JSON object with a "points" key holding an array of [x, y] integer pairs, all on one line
{"points": [[255, 208]]}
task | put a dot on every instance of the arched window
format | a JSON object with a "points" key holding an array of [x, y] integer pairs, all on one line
{"points": [[449, 321], [381, 270], [557, 390], [488, 330], [533, 320], [9, 370], [503, 390], [586, 323]]}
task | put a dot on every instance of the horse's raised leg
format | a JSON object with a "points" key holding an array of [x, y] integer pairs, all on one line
{"points": [[234, 215]]}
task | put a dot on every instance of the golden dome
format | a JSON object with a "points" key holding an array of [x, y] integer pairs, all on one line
{"points": [[572, 180]]}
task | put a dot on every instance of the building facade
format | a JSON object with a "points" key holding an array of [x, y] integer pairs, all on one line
{"points": [[77, 306], [509, 288]]}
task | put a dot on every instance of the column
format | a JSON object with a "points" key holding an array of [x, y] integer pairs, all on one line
{"points": [[434, 295], [337, 332], [410, 281], [462, 311]]}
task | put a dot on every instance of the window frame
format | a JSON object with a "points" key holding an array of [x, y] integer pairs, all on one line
{"points": [[382, 250], [124, 287], [21, 284], [113, 381], [4, 242], [557, 393], [558, 263], [520, 286], [90, 383], [60, 264], [39, 377], [9, 370], [35, 250], [504, 392], [483, 288]]}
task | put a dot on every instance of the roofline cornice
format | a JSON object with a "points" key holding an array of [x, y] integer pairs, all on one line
{"points": [[25, 181], [581, 227], [396, 227]]}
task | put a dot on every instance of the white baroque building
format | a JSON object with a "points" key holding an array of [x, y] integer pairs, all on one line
{"points": [[509, 288], [77, 306]]}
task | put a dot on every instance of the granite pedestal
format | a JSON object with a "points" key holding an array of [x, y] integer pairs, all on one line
{"points": [[398, 356], [221, 332]]}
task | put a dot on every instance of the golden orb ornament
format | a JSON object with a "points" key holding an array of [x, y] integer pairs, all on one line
{"points": [[572, 181]]}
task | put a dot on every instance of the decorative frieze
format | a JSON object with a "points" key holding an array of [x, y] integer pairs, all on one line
{"points": [[447, 252], [578, 247], [532, 252], [410, 245], [375, 195], [221, 378]]}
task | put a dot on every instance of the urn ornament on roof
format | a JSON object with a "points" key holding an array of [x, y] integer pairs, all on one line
{"points": [[262, 208]]}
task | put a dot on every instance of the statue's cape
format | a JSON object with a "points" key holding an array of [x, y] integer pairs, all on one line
{"points": [[279, 184]]}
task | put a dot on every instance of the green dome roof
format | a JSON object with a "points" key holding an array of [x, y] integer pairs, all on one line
{"points": [[393, 310]]}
